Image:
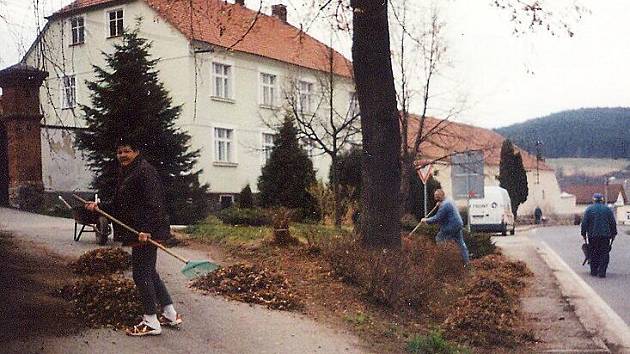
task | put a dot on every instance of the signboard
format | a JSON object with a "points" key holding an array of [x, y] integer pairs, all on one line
{"points": [[467, 174], [424, 172]]}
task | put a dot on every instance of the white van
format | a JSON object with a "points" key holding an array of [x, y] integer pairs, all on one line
{"points": [[493, 213]]}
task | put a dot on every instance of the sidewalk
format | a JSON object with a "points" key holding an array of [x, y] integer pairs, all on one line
{"points": [[555, 323]]}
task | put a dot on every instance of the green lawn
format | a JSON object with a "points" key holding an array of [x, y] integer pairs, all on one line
{"points": [[212, 230]]}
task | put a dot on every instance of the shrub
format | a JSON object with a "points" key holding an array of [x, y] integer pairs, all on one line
{"points": [[238, 216], [479, 245], [246, 200], [408, 222], [399, 278], [433, 343]]}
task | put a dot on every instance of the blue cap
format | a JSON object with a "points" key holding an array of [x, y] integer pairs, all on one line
{"points": [[598, 196]]}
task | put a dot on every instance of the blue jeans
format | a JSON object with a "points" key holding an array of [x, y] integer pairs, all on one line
{"points": [[457, 237]]}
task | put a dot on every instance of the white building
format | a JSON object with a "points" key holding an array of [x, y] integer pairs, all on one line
{"points": [[230, 67]]}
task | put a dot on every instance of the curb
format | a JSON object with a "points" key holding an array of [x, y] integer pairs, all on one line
{"points": [[593, 312]]}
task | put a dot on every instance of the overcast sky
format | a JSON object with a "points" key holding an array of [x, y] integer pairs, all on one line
{"points": [[504, 78]]}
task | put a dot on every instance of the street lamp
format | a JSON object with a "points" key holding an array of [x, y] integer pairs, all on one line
{"points": [[608, 180]]}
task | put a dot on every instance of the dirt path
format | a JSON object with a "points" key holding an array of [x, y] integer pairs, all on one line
{"points": [[212, 324]]}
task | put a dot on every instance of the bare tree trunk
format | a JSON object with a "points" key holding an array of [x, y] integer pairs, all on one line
{"points": [[380, 124]]}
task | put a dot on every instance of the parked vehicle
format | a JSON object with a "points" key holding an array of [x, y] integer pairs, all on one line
{"points": [[493, 212]]}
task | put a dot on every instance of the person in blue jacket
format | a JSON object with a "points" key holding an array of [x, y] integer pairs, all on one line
{"points": [[598, 224], [451, 224]]}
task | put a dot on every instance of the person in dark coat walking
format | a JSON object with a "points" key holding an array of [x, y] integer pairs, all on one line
{"points": [[139, 203], [599, 226]]}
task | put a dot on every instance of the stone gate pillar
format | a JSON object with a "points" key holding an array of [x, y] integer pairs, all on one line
{"points": [[21, 118]]}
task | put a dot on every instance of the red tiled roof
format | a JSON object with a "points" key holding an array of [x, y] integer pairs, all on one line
{"points": [[448, 137], [223, 24], [584, 192]]}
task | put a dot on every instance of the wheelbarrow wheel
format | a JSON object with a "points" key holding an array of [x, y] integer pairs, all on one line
{"points": [[102, 230]]}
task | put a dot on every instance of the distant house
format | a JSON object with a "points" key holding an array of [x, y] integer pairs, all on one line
{"points": [[230, 67], [451, 137], [615, 194]]}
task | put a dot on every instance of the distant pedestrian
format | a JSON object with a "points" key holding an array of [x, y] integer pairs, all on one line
{"points": [[537, 215], [139, 203], [451, 224], [600, 229]]}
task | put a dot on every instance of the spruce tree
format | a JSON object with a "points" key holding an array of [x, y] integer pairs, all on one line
{"points": [[128, 100], [288, 174], [246, 200], [512, 175]]}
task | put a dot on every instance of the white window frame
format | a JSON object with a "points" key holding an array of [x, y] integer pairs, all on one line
{"points": [[108, 29], [230, 142], [309, 108], [80, 30], [266, 146], [64, 89], [221, 196], [273, 87], [227, 81]]}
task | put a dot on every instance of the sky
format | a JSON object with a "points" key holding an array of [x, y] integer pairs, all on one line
{"points": [[493, 77]]}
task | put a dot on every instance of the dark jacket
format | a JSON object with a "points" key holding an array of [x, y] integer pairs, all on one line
{"points": [[599, 222], [139, 203]]}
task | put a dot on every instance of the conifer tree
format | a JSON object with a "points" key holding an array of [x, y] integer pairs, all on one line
{"points": [[512, 175], [128, 100], [288, 174], [246, 199]]}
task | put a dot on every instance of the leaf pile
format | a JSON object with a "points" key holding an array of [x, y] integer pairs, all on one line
{"points": [[488, 315], [102, 261], [251, 284], [104, 301]]}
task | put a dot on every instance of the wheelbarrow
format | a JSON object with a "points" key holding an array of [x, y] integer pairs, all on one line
{"points": [[87, 221]]}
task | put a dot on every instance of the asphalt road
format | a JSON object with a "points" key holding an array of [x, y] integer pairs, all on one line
{"points": [[211, 324], [615, 288]]}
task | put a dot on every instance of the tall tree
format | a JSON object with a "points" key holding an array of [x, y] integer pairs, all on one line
{"points": [[128, 100], [512, 175], [380, 126], [288, 173]]}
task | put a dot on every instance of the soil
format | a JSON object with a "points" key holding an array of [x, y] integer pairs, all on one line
{"points": [[28, 306]]}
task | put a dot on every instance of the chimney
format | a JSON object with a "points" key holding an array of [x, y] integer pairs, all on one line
{"points": [[279, 11], [239, 2]]}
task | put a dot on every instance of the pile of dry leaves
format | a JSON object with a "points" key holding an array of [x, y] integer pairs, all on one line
{"points": [[102, 261], [251, 284], [488, 314], [104, 301], [104, 297]]}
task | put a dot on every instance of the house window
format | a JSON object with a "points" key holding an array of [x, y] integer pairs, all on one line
{"points": [[226, 201], [267, 146], [353, 109], [77, 24], [223, 145], [115, 19], [305, 90], [68, 92], [222, 80], [268, 82]]}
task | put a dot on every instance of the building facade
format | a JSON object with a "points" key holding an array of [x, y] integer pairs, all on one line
{"points": [[234, 71]]}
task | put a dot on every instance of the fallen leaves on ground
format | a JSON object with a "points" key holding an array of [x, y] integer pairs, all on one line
{"points": [[251, 284], [488, 314], [102, 261], [104, 301]]}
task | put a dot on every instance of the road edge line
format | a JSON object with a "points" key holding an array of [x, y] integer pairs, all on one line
{"points": [[592, 311]]}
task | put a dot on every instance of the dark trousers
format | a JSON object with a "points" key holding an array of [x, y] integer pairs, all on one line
{"points": [[151, 288], [600, 254]]}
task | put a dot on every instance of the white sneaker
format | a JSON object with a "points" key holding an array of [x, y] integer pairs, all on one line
{"points": [[165, 321], [143, 329]]}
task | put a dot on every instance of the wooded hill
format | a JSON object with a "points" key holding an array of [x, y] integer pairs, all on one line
{"points": [[586, 132]]}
